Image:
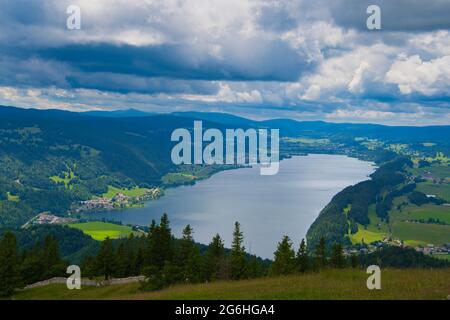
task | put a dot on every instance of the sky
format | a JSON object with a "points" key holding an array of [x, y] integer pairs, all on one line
{"points": [[298, 59]]}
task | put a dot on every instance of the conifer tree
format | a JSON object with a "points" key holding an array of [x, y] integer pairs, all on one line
{"points": [[354, 261], [159, 248], [337, 256], [9, 265], [284, 262], [213, 258], [189, 256], [302, 257], [51, 258], [321, 254], [106, 259], [238, 260], [122, 263]]}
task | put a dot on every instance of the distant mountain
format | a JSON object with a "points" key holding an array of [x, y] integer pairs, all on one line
{"points": [[119, 113], [223, 118]]}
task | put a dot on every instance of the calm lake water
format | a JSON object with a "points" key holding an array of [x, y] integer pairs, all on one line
{"points": [[267, 207]]}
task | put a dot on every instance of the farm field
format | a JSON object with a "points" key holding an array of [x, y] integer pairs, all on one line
{"points": [[134, 192], [327, 285], [436, 171], [421, 233], [101, 230], [375, 231], [427, 211], [440, 190], [178, 178]]}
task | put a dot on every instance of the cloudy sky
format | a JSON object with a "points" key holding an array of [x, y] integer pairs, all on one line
{"points": [[300, 59]]}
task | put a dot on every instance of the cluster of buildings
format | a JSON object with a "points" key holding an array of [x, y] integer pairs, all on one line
{"points": [[47, 218], [102, 204], [431, 249]]}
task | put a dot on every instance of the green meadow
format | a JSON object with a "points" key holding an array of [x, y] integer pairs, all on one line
{"points": [[421, 233], [341, 284], [440, 190], [101, 230], [133, 192], [375, 231]]}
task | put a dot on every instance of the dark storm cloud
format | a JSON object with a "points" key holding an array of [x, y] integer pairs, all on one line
{"points": [[273, 61], [396, 15]]}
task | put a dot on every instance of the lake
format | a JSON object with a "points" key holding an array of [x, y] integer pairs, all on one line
{"points": [[267, 207]]}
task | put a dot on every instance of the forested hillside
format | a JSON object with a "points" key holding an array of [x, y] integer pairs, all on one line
{"points": [[51, 159]]}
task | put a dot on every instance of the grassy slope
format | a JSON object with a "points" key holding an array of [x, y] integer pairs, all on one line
{"points": [[135, 192], [375, 231], [421, 232], [100, 230], [328, 284], [440, 190]]}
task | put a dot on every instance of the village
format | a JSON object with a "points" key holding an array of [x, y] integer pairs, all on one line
{"points": [[119, 201]]}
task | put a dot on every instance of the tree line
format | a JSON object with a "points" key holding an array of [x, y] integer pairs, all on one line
{"points": [[165, 260]]}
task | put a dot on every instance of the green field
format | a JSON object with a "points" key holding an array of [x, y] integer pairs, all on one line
{"points": [[421, 233], [440, 190], [101, 230], [375, 231], [134, 192], [12, 197], [436, 171], [178, 178], [327, 284], [68, 177], [426, 212]]}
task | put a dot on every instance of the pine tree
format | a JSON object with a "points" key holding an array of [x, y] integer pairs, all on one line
{"points": [[213, 258], [189, 256], [354, 261], [321, 254], [302, 257], [9, 265], [337, 256], [106, 259], [51, 258], [159, 248], [284, 262], [238, 260], [122, 263], [165, 244], [186, 245]]}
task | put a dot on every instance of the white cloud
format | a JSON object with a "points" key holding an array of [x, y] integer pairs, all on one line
{"points": [[412, 74]]}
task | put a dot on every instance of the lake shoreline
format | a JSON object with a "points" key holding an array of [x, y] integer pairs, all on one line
{"points": [[298, 193]]}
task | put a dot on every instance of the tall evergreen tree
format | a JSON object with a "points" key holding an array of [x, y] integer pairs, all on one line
{"points": [[51, 258], [284, 262], [354, 261], [321, 254], [186, 244], [337, 256], [189, 256], [302, 257], [122, 263], [160, 249], [237, 256], [9, 265], [214, 258], [106, 259]]}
